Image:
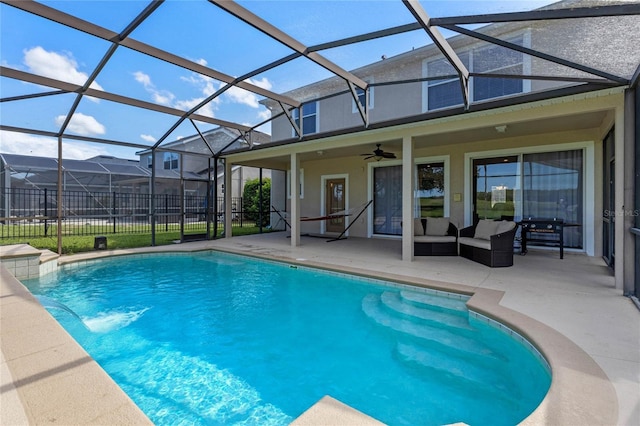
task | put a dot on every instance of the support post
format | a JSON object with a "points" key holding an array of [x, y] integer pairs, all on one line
{"points": [[228, 219], [407, 198], [619, 230], [295, 200], [59, 198], [628, 218]]}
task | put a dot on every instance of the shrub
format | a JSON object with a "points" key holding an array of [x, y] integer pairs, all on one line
{"points": [[251, 200]]}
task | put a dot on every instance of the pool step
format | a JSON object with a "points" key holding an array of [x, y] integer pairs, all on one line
{"points": [[434, 302], [438, 335], [474, 377], [397, 303]]}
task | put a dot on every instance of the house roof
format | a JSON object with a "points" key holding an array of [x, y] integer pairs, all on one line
{"points": [[20, 164], [609, 58], [216, 140]]}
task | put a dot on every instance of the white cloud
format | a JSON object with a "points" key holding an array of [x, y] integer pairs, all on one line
{"points": [[25, 144], [148, 138], [161, 97], [206, 86], [143, 78], [57, 66], [241, 96], [264, 114], [82, 124]]}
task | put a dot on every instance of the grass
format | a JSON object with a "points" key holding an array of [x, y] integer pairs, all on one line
{"points": [[83, 243]]}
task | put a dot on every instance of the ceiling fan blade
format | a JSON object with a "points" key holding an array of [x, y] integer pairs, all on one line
{"points": [[369, 156], [388, 155]]}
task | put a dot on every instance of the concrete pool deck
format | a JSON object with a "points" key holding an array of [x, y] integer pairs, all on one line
{"points": [[568, 308]]}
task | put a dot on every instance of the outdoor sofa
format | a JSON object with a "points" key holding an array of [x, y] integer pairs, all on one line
{"points": [[489, 242], [435, 236]]}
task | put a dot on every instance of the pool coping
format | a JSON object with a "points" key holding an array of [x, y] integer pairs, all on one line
{"points": [[580, 391]]}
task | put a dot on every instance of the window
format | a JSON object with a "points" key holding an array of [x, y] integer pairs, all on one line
{"points": [[150, 161], [308, 123], [362, 98], [300, 182], [488, 59], [445, 92], [430, 189], [497, 60], [170, 161]]}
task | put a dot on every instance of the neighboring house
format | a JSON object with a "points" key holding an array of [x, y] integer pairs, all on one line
{"points": [[192, 154], [107, 174], [537, 147]]}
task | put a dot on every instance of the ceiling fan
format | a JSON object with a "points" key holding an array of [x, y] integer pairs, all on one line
{"points": [[378, 154]]}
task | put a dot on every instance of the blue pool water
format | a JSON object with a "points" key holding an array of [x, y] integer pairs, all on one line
{"points": [[212, 338]]}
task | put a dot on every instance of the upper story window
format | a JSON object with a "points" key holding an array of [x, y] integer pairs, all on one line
{"points": [[487, 59], [150, 161], [308, 123], [498, 60], [362, 98], [170, 161], [445, 92]]}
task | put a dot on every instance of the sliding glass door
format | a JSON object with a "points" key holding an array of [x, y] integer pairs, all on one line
{"points": [[552, 188], [495, 185], [536, 185]]}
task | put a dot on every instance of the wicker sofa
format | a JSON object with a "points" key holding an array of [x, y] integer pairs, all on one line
{"points": [[435, 237], [489, 242]]}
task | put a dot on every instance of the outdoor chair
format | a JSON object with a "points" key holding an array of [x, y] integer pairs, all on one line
{"points": [[489, 242]]}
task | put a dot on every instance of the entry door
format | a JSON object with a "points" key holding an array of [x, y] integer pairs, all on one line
{"points": [[334, 202]]}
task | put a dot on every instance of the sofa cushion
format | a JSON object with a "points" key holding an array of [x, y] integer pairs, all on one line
{"points": [[437, 226], [505, 226], [485, 229], [475, 242], [434, 239], [418, 229]]}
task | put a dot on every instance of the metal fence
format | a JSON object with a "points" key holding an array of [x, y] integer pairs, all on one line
{"points": [[34, 213]]}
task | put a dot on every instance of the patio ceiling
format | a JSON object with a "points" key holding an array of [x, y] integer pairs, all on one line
{"points": [[255, 54]]}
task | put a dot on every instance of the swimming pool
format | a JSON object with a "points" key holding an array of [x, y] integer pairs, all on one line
{"points": [[212, 338]]}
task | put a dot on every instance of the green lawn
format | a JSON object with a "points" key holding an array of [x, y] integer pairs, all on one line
{"points": [[82, 243]]}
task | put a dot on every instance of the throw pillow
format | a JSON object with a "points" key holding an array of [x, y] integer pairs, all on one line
{"points": [[485, 229], [437, 226], [505, 226], [418, 229]]}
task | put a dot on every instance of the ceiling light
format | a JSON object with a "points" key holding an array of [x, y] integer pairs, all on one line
{"points": [[501, 129]]}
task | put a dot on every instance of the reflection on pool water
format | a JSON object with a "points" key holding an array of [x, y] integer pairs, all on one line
{"points": [[213, 338]]}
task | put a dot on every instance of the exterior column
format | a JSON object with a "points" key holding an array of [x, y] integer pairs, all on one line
{"points": [[407, 198], [628, 219], [295, 200], [619, 196], [228, 219]]}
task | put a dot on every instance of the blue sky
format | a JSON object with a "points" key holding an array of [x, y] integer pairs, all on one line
{"points": [[195, 30]]}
